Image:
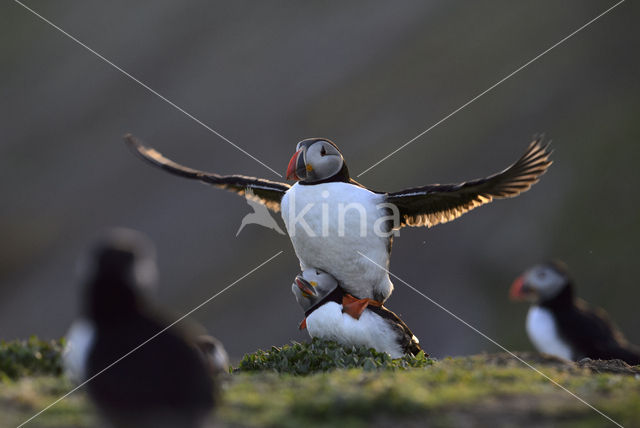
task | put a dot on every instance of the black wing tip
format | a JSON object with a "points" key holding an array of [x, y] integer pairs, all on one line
{"points": [[541, 144], [152, 156], [131, 141], [538, 152]]}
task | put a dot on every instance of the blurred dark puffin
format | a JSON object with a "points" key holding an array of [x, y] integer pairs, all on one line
{"points": [[215, 356], [331, 218], [325, 304], [152, 380], [558, 323]]}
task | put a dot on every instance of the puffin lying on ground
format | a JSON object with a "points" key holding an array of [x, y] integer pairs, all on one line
{"points": [[562, 325], [168, 381], [323, 301], [331, 218]]}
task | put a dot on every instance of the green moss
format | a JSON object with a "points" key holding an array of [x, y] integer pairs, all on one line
{"points": [[30, 357], [267, 391], [442, 393], [322, 355], [23, 398]]}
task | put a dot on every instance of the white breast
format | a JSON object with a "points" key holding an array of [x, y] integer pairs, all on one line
{"points": [[329, 224], [79, 339], [329, 323], [543, 332]]}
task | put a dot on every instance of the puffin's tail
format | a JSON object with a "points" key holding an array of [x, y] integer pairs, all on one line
{"points": [[414, 348], [409, 342]]}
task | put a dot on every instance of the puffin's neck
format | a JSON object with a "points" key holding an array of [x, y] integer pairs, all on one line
{"points": [[110, 302], [335, 296], [341, 176], [563, 300]]}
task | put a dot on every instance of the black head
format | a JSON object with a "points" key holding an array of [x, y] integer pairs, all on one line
{"points": [[120, 271], [543, 283], [311, 286], [317, 160]]}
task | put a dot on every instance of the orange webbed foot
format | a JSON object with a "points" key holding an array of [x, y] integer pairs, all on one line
{"points": [[355, 307]]}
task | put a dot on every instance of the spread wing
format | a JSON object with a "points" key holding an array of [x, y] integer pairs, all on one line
{"points": [[439, 203], [264, 191]]}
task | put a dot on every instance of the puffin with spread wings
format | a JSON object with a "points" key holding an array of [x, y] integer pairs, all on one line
{"points": [[343, 228]]}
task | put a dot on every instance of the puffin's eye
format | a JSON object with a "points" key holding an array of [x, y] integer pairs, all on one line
{"points": [[323, 151]]}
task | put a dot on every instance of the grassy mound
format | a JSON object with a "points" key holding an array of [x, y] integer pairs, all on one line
{"points": [[30, 357], [356, 388], [322, 355], [481, 390]]}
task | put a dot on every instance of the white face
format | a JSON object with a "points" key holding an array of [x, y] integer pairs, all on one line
{"points": [[544, 281], [321, 159], [311, 286]]}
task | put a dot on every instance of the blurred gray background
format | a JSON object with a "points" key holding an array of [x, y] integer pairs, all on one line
{"points": [[368, 75]]}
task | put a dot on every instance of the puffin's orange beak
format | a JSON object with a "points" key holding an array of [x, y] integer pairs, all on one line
{"points": [[516, 292], [304, 286], [291, 168]]}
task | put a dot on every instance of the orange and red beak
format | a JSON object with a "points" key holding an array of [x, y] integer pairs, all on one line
{"points": [[304, 286], [296, 169], [517, 291]]}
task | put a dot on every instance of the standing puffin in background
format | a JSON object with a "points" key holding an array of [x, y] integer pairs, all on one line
{"points": [[560, 324], [158, 380], [323, 301], [331, 218]]}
